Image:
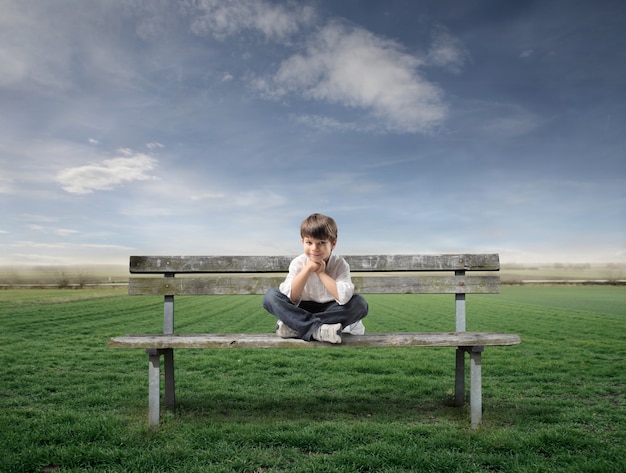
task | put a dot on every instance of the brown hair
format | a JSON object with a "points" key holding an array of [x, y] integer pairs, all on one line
{"points": [[320, 227]]}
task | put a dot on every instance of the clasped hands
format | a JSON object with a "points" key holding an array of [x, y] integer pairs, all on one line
{"points": [[316, 266]]}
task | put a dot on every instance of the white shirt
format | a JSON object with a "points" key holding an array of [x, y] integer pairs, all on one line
{"points": [[337, 268]]}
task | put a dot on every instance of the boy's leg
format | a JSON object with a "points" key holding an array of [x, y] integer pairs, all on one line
{"points": [[309, 316], [333, 313], [293, 316]]}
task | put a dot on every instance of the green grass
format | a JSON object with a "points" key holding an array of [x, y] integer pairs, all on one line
{"points": [[555, 403]]}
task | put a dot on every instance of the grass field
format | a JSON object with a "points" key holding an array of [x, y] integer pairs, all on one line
{"points": [[555, 403]]}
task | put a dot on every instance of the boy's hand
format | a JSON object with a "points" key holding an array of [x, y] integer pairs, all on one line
{"points": [[321, 268], [315, 266]]}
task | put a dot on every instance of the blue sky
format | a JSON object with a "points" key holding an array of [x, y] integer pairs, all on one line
{"points": [[215, 127]]}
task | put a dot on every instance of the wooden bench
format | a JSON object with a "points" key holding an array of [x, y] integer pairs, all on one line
{"points": [[377, 274]]}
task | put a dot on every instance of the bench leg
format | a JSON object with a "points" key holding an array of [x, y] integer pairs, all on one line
{"points": [[476, 394], [459, 378], [170, 388], [154, 381], [476, 390]]}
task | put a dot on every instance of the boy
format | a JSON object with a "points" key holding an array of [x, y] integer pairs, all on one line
{"points": [[317, 301]]}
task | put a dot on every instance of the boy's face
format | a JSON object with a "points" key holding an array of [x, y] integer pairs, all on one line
{"points": [[318, 250]]}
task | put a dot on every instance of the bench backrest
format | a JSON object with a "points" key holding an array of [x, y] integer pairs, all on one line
{"points": [[371, 274]]}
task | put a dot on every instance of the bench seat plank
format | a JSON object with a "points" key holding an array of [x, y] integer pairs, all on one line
{"points": [[266, 340]]}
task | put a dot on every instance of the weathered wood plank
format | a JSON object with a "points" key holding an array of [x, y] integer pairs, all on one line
{"points": [[415, 284], [272, 264], [209, 264], [225, 284], [401, 339], [217, 285], [466, 262]]}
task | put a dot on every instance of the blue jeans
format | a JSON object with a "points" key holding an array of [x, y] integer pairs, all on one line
{"points": [[308, 316]]}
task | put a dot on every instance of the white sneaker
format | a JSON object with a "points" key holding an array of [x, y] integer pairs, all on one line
{"points": [[356, 328], [330, 333], [284, 331]]}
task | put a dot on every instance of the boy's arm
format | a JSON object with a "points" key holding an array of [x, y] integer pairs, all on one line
{"points": [[340, 273], [336, 281], [299, 281], [329, 283]]}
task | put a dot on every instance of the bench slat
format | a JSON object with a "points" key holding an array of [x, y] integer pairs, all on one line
{"points": [[209, 264], [415, 284], [217, 285], [226, 284], [272, 264], [401, 339], [466, 262]]}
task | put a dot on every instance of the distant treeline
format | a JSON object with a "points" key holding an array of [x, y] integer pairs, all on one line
{"points": [[82, 276], [62, 276]]}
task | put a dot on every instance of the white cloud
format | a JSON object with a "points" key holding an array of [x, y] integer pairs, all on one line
{"points": [[232, 201], [447, 51], [494, 120], [274, 21], [39, 218], [53, 231], [352, 67], [327, 123], [6, 185], [64, 231], [507, 120], [39, 245], [37, 48], [47, 46], [106, 247], [108, 174], [208, 196], [258, 199], [12, 67]]}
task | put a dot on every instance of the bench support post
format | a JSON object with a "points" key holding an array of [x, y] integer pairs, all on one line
{"points": [[459, 303], [154, 382], [459, 300], [170, 387], [459, 378], [168, 309], [476, 391]]}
